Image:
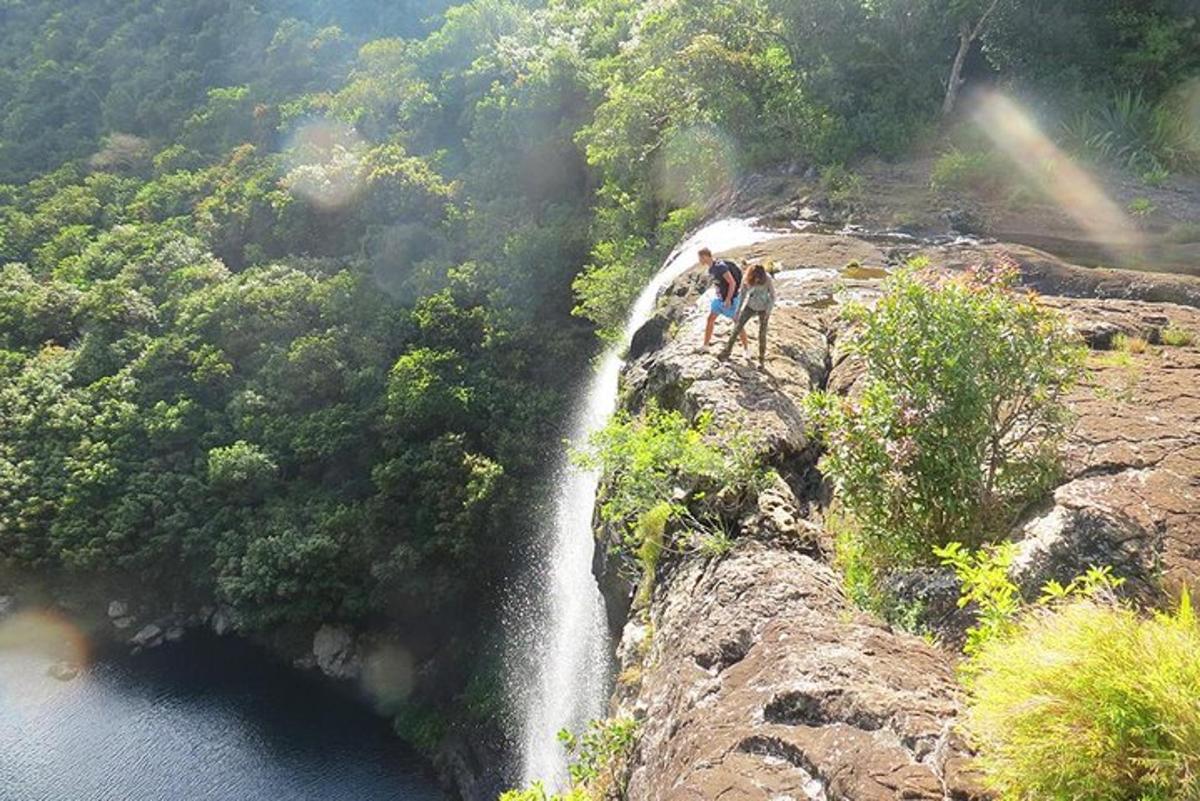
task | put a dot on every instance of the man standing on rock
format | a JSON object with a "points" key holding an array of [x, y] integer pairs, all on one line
{"points": [[727, 279]]}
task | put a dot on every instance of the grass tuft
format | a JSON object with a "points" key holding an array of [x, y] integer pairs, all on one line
{"points": [[1177, 337], [1091, 701]]}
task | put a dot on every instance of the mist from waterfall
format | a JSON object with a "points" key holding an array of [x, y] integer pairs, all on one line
{"points": [[571, 642]]}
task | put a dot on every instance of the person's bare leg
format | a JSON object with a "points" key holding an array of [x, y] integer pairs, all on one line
{"points": [[708, 329], [745, 340]]}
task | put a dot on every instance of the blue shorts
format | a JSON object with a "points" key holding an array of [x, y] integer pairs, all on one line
{"points": [[718, 307]]}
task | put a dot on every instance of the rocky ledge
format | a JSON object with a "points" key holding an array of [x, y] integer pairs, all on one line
{"points": [[754, 676]]}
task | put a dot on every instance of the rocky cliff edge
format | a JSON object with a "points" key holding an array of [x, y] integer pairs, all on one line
{"points": [[753, 674]]}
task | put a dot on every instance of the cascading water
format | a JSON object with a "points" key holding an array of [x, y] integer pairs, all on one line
{"points": [[574, 647]]}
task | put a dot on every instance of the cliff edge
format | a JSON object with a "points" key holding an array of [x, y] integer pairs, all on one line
{"points": [[752, 673]]}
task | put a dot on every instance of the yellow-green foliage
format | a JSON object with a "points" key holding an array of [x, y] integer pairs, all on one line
{"points": [[1177, 337], [598, 763], [1128, 344], [1091, 702], [650, 532], [1142, 207], [648, 458], [537, 792], [969, 171]]}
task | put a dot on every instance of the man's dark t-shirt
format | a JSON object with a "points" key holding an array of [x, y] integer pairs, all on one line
{"points": [[718, 270]]}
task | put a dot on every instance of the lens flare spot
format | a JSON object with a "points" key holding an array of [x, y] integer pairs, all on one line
{"points": [[388, 675], [44, 633], [1070, 187], [696, 162], [324, 159], [39, 651]]}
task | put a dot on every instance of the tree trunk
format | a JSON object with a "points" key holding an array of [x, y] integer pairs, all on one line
{"points": [[964, 47]]}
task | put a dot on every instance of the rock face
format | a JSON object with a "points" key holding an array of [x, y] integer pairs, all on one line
{"points": [[753, 675], [1131, 493], [766, 685], [335, 653]]}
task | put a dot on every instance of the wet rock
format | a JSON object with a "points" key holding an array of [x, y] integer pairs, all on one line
{"points": [[147, 636], [174, 634], [335, 653], [8, 605], [118, 609], [221, 622], [649, 337], [122, 623]]}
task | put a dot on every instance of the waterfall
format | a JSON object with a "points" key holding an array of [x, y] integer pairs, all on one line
{"points": [[574, 646]]}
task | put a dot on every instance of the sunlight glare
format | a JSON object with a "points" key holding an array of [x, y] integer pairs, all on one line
{"points": [[696, 162], [1079, 195], [324, 159], [388, 675]]}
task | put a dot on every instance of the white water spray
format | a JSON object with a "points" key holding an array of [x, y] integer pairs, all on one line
{"points": [[574, 648]]}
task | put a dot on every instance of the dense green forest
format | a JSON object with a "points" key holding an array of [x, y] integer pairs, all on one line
{"points": [[286, 304]]}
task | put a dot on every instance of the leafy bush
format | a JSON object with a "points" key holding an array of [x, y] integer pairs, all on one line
{"points": [[621, 265], [984, 577], [241, 468], [646, 458], [843, 188], [598, 755], [974, 171], [661, 470], [959, 415], [537, 792], [1090, 701], [1133, 131]]}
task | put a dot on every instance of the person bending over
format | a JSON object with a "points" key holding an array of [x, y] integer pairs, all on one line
{"points": [[757, 297], [727, 280]]}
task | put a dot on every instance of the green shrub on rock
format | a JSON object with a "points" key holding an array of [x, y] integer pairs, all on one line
{"points": [[959, 415], [659, 462], [1090, 701]]}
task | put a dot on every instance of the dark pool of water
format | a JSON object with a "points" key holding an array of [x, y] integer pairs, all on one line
{"points": [[206, 719]]}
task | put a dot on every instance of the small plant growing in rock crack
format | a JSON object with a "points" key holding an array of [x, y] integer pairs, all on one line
{"points": [[598, 764], [1142, 207], [660, 470], [598, 755], [1176, 337], [960, 413], [1129, 344], [984, 577]]}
